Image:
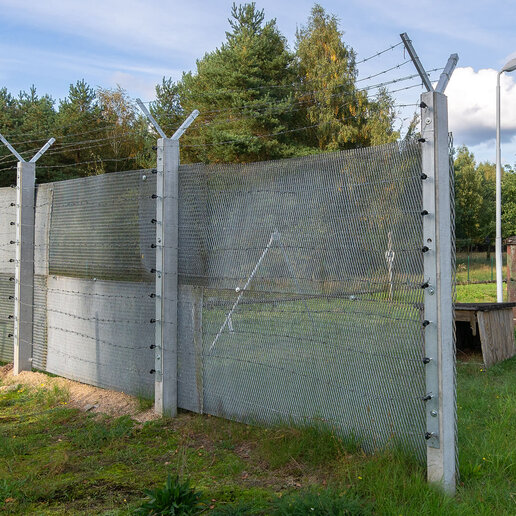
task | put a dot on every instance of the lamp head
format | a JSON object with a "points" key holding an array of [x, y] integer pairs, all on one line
{"points": [[510, 66]]}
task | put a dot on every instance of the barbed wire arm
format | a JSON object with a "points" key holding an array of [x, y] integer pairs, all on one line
{"points": [[42, 150], [11, 148], [152, 120], [447, 73], [417, 63]]}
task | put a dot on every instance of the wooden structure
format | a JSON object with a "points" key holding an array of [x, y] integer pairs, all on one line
{"points": [[487, 324], [511, 272]]}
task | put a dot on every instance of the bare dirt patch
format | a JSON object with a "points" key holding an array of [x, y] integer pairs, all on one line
{"points": [[81, 396]]}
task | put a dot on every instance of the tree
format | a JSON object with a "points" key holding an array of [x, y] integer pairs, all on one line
{"points": [[8, 124], [167, 108], [26, 119], [127, 143], [486, 172], [508, 202], [468, 199], [80, 132], [342, 116], [243, 91]]}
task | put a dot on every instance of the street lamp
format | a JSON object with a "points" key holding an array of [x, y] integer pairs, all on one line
{"points": [[510, 66]]}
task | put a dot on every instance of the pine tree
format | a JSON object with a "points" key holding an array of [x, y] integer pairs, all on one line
{"points": [[8, 126], [243, 91], [80, 132]]}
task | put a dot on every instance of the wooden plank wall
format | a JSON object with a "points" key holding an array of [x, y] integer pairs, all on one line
{"points": [[496, 335]]}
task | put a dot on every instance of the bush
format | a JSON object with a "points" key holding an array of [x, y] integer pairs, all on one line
{"points": [[176, 498]]}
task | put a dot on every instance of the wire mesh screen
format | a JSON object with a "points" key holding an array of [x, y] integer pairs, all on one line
{"points": [[93, 305], [311, 269], [7, 257], [454, 289], [101, 227]]}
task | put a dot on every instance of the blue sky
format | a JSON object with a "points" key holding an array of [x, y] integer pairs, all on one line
{"points": [[133, 43]]}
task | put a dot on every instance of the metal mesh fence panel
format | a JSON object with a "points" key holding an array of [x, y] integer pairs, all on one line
{"points": [[454, 287], [43, 207], [312, 271], [94, 307], [7, 253], [101, 227]]}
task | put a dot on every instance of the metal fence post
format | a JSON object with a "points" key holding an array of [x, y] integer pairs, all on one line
{"points": [[439, 343], [166, 277], [24, 266]]}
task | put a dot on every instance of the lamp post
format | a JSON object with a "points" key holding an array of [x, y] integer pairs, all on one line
{"points": [[510, 66]]}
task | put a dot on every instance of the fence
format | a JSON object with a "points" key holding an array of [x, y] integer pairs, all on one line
{"points": [[285, 268], [300, 319], [314, 290], [300, 289]]}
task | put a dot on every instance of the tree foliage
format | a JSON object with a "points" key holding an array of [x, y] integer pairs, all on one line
{"points": [[96, 131], [258, 100], [242, 91], [475, 201], [344, 117]]}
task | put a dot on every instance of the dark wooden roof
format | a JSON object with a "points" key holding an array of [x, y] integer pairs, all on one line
{"points": [[483, 307]]}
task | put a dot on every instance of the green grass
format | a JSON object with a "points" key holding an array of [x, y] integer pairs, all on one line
{"points": [[479, 266], [477, 293], [57, 460]]}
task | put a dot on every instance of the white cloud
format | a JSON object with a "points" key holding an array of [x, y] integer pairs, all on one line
{"points": [[471, 105]]}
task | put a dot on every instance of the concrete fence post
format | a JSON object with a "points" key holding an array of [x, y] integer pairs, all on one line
{"points": [[166, 277], [24, 266], [437, 243], [24, 260], [167, 245]]}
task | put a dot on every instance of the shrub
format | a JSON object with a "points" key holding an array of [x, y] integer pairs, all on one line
{"points": [[176, 498]]}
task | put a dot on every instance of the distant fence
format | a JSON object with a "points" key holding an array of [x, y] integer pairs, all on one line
{"points": [[301, 287]]}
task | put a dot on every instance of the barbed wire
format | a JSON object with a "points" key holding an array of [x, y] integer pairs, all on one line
{"points": [[294, 84], [384, 71]]}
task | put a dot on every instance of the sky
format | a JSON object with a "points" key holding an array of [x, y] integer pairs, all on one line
{"points": [[134, 44]]}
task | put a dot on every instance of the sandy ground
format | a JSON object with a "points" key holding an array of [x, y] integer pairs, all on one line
{"points": [[82, 396]]}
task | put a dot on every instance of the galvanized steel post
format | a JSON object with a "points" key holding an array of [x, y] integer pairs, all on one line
{"points": [[440, 399]]}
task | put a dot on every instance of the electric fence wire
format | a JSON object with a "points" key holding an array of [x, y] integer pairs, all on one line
{"points": [[76, 146], [105, 127], [291, 85]]}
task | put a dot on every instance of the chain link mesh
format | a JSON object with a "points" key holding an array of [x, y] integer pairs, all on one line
{"points": [[312, 271]]}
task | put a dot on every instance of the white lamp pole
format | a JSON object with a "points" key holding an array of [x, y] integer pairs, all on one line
{"points": [[510, 66]]}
